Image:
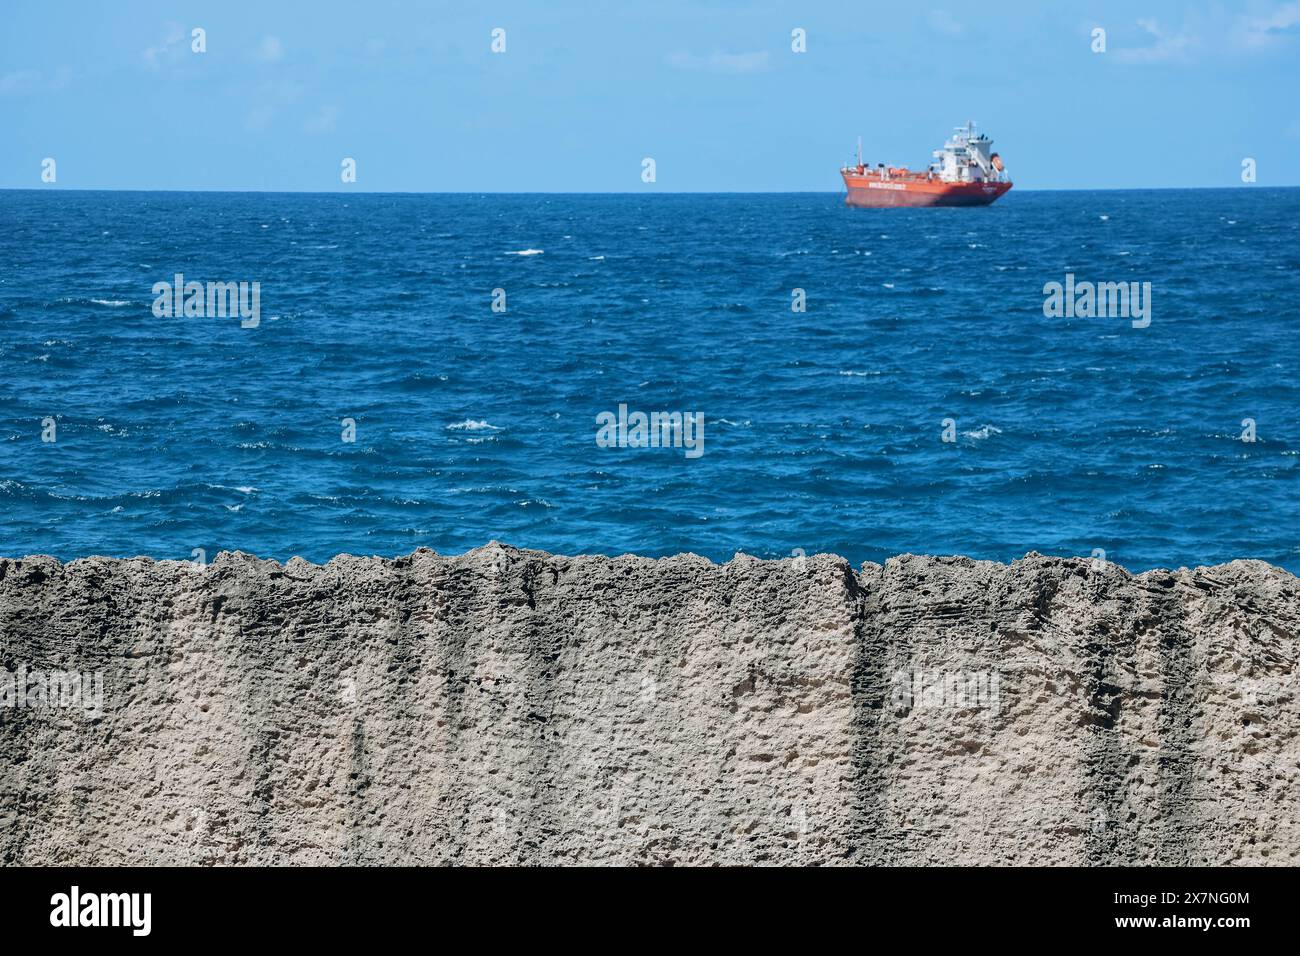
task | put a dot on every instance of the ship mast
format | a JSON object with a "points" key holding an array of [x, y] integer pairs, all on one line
{"points": [[859, 150]]}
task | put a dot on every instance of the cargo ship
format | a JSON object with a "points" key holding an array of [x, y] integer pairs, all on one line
{"points": [[967, 173]]}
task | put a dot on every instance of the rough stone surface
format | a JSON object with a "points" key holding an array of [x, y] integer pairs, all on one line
{"points": [[509, 706]]}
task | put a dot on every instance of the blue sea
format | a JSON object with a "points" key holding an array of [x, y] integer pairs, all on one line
{"points": [[823, 429]]}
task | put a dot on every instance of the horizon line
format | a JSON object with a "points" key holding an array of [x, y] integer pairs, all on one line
{"points": [[561, 192]]}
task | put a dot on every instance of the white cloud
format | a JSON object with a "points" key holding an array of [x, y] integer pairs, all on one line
{"points": [[168, 48], [1254, 32], [270, 99], [24, 82], [323, 121], [945, 22], [21, 81], [718, 62], [1214, 31], [259, 118], [270, 50], [1165, 48]]}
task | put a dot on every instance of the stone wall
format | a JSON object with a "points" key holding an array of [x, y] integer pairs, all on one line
{"points": [[509, 706]]}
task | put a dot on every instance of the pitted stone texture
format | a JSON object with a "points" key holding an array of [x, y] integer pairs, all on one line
{"points": [[508, 706]]}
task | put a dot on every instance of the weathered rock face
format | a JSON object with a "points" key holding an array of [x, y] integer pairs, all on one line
{"points": [[510, 706]]}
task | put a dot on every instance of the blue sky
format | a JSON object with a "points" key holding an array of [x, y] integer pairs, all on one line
{"points": [[584, 91]]}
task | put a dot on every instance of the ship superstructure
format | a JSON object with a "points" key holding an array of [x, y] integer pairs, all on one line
{"points": [[966, 173]]}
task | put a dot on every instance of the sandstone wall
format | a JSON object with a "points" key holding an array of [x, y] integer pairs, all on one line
{"points": [[510, 706]]}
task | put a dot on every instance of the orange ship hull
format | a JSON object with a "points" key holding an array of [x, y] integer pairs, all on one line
{"points": [[875, 191]]}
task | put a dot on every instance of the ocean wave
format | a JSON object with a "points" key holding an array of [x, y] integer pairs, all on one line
{"points": [[703, 321]]}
